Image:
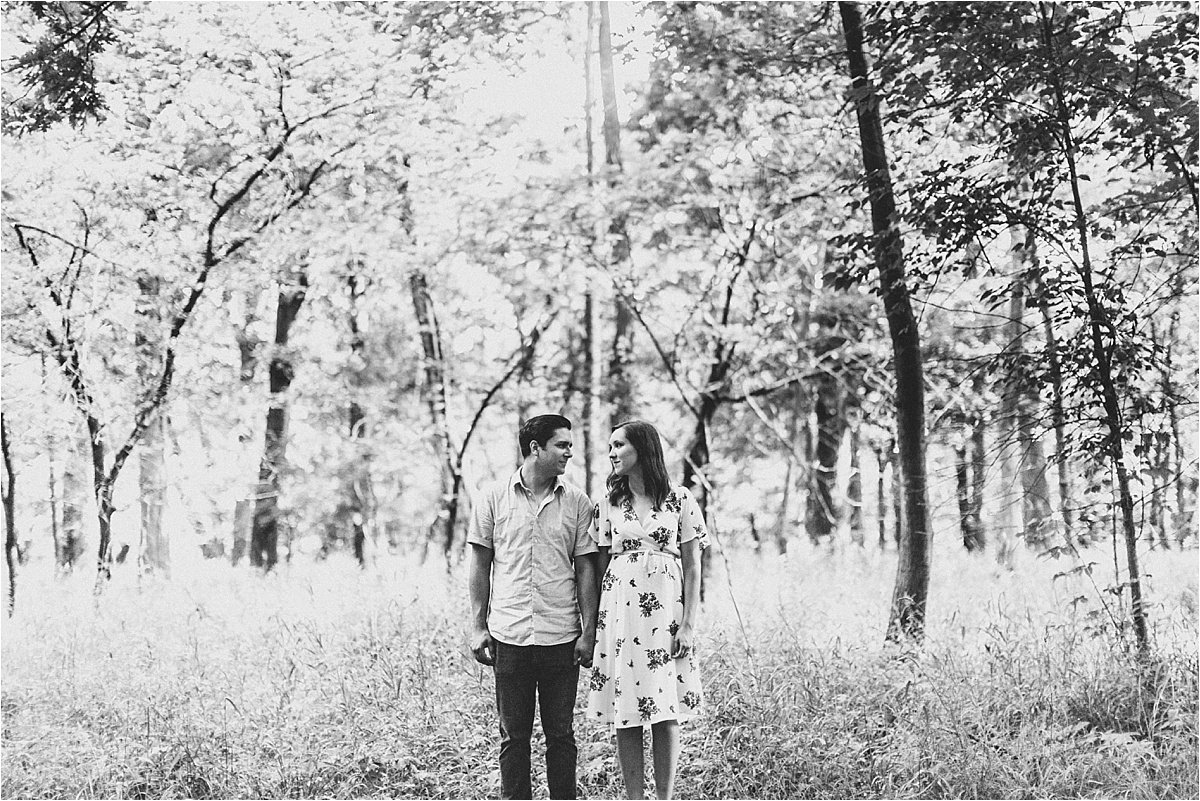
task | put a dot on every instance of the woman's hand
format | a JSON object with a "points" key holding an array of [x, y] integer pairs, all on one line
{"points": [[682, 643]]}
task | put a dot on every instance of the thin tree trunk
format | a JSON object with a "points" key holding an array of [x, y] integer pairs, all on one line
{"points": [[1066, 492], [264, 537], [243, 510], [51, 484], [965, 460], [978, 471], [153, 550], [911, 594], [1021, 402], [781, 527], [898, 525], [1179, 521], [822, 508], [620, 392], [589, 310], [882, 459], [360, 493], [1099, 323], [11, 553], [854, 495], [153, 553], [435, 400], [1012, 505], [74, 501]]}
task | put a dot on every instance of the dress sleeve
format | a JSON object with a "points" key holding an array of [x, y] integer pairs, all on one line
{"points": [[691, 520], [601, 529]]}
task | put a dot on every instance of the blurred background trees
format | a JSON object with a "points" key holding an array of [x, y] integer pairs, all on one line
{"points": [[313, 264]]}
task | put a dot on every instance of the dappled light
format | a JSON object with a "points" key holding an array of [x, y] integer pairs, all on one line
{"points": [[809, 387]]}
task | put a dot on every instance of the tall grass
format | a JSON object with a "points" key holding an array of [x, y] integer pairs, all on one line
{"points": [[327, 681]]}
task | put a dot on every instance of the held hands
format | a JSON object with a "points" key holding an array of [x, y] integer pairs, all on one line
{"points": [[682, 643], [483, 647], [583, 650]]}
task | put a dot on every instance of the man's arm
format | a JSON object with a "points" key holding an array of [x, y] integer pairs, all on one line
{"points": [[586, 592], [480, 583]]}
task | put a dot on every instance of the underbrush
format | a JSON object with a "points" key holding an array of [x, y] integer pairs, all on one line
{"points": [[330, 682]]}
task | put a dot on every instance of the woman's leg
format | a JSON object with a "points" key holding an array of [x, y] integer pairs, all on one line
{"points": [[629, 754], [666, 756]]}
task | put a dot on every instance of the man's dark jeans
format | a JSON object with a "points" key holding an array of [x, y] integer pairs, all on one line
{"points": [[550, 672]]}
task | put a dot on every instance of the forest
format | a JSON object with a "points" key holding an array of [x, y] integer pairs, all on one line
{"points": [[909, 288]]}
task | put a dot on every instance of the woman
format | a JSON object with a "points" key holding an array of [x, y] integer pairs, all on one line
{"points": [[645, 670]]}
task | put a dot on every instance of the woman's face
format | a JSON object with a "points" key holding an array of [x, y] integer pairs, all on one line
{"points": [[621, 454]]}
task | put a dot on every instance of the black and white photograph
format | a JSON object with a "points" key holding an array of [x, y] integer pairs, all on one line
{"points": [[585, 399]]}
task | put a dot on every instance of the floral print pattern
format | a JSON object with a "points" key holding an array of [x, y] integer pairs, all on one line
{"points": [[635, 680]]}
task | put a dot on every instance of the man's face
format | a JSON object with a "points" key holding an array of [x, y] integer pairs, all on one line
{"points": [[553, 458]]}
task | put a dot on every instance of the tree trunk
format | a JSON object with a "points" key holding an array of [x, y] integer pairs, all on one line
{"points": [[897, 497], [435, 399], [694, 465], [883, 457], [153, 549], [854, 495], [1066, 491], [1011, 504], [10, 516], [822, 509], [781, 527], [74, 503], [1036, 510], [978, 470], [965, 463], [589, 310], [1100, 323], [909, 600], [243, 510], [1179, 522], [264, 536], [620, 392], [360, 493]]}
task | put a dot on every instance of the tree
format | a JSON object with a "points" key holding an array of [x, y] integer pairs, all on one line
{"points": [[11, 550], [59, 71], [1062, 92], [264, 537], [620, 392], [910, 596]]}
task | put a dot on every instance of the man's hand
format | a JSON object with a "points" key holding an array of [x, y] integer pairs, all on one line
{"points": [[583, 650], [483, 647]]}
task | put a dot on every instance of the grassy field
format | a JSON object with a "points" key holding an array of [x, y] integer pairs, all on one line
{"points": [[327, 681]]}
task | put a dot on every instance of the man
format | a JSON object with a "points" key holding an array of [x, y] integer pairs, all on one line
{"points": [[533, 603]]}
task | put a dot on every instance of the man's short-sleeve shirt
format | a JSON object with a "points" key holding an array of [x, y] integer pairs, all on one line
{"points": [[533, 599]]}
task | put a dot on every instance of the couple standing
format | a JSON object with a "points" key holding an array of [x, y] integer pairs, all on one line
{"points": [[557, 583]]}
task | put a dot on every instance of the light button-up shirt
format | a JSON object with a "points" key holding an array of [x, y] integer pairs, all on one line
{"points": [[533, 595]]}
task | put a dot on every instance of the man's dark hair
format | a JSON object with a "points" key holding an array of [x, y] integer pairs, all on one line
{"points": [[539, 429]]}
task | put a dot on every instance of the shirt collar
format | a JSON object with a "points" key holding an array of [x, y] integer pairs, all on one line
{"points": [[517, 481]]}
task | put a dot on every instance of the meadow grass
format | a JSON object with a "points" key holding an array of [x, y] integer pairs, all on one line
{"points": [[323, 680]]}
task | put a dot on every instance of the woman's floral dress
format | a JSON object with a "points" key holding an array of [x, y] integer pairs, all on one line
{"points": [[634, 680]]}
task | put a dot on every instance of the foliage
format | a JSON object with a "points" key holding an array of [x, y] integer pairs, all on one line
{"points": [[59, 72], [356, 684]]}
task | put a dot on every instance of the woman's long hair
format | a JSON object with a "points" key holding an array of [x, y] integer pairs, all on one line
{"points": [[645, 440]]}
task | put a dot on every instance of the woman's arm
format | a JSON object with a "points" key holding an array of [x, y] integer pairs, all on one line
{"points": [[689, 553]]}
